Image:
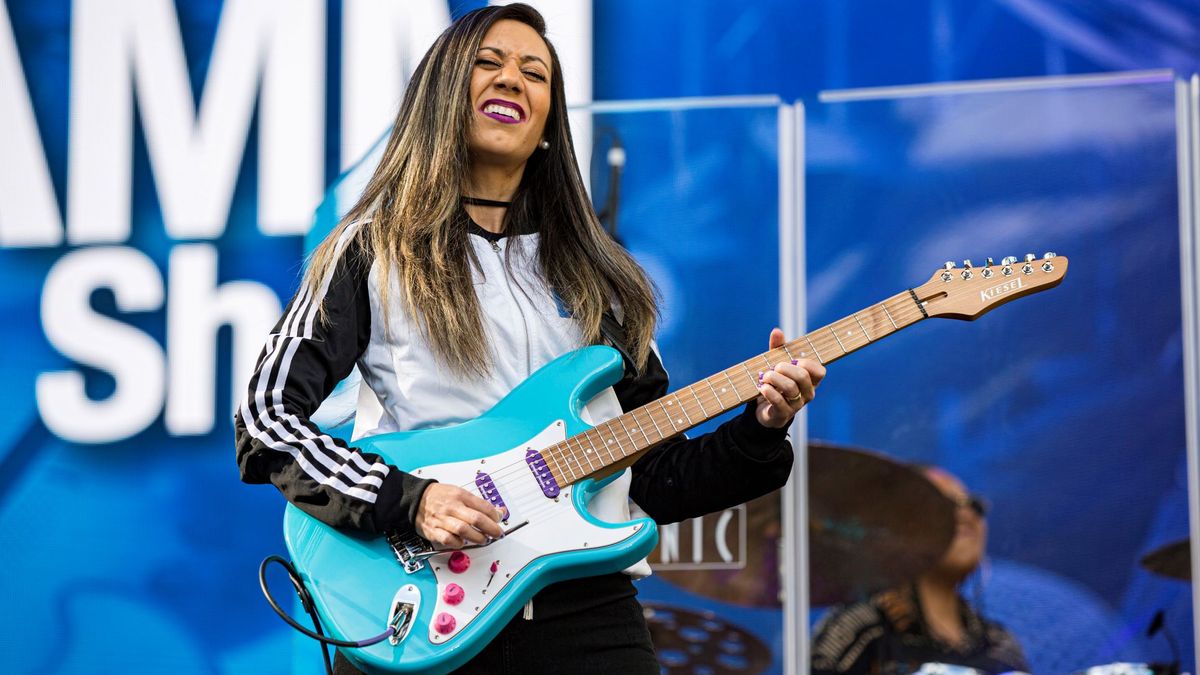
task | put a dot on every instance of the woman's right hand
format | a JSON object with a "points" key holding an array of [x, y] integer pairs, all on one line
{"points": [[451, 517]]}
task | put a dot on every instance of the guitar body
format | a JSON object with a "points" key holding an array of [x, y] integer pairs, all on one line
{"points": [[357, 582]]}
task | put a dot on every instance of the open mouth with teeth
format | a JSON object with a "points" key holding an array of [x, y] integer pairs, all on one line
{"points": [[503, 111]]}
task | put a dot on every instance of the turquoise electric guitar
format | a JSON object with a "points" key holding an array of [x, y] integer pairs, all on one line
{"points": [[533, 455]]}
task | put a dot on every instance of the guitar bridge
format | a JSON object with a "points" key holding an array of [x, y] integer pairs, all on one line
{"points": [[410, 550]]}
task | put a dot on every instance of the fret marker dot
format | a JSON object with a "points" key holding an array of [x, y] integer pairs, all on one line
{"points": [[680, 421], [670, 403]]}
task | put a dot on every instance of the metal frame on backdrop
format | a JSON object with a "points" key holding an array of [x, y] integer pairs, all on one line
{"points": [[792, 313], [1187, 131]]}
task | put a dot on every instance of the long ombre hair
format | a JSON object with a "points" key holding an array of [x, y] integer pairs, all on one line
{"points": [[411, 223]]}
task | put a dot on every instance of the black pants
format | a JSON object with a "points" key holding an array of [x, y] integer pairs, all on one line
{"points": [[592, 625]]}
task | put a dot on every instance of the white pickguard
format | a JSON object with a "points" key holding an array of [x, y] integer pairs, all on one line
{"points": [[554, 526]]}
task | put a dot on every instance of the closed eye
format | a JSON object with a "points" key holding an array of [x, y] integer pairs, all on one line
{"points": [[487, 62], [533, 74]]}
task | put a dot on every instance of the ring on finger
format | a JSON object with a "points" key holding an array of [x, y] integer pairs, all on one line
{"points": [[798, 397]]}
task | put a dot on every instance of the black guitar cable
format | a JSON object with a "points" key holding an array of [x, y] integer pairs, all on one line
{"points": [[307, 602]]}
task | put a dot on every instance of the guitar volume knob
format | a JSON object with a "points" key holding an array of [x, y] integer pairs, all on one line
{"points": [[459, 562], [453, 594], [444, 623]]}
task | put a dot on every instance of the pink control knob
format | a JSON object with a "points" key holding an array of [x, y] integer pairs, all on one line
{"points": [[453, 594], [444, 623], [459, 562]]}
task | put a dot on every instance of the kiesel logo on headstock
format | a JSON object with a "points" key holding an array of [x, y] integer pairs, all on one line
{"points": [[998, 290]]}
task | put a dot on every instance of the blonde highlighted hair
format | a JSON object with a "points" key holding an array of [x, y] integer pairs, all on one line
{"points": [[413, 226]]}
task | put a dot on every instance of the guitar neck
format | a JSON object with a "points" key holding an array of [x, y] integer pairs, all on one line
{"points": [[626, 436]]}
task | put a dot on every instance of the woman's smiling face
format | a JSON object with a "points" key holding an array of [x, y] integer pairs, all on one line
{"points": [[510, 94]]}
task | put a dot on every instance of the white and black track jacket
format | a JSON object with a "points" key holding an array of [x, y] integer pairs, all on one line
{"points": [[527, 327]]}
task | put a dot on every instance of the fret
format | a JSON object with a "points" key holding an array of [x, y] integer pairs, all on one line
{"points": [[770, 366], [720, 403], [889, 315], [787, 351], [574, 454], [587, 454], [625, 427], [649, 414], [663, 408], [560, 459], [731, 384], [835, 337], [753, 380], [703, 412], [814, 349], [641, 429], [607, 445], [862, 327], [580, 449], [682, 409]]}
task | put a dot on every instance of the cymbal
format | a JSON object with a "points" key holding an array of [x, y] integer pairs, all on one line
{"points": [[873, 523], [1173, 560]]}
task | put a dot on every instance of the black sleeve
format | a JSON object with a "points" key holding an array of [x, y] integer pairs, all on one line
{"points": [[305, 357], [684, 477]]}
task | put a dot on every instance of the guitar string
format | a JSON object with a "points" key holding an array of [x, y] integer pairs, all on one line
{"points": [[820, 343], [531, 501], [818, 340], [521, 496], [561, 452], [904, 316], [563, 455]]}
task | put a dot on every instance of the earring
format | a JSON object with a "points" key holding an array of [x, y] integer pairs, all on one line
{"points": [[545, 145]]}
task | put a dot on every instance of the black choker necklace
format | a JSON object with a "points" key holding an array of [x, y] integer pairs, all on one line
{"points": [[476, 201]]}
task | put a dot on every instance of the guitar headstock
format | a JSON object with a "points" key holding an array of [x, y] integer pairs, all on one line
{"points": [[969, 292]]}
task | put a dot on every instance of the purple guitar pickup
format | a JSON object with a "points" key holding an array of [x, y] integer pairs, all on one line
{"points": [[488, 489], [541, 472]]}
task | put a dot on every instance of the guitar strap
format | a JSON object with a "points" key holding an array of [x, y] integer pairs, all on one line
{"points": [[614, 332]]}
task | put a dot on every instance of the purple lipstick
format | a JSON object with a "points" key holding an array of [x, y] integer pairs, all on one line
{"points": [[503, 111]]}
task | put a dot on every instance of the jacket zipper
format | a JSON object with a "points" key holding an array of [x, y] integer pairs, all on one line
{"points": [[517, 304]]}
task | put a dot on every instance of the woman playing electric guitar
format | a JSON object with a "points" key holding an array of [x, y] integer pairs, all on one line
{"points": [[472, 259]]}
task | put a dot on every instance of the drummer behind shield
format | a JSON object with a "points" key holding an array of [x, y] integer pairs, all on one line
{"points": [[928, 621]]}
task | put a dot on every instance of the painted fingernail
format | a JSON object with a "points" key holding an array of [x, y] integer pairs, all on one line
{"points": [[760, 376], [795, 362]]}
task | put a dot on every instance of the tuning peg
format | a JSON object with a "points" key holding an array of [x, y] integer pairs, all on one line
{"points": [[990, 262], [1049, 254], [967, 273], [1029, 257], [948, 265], [1008, 260]]}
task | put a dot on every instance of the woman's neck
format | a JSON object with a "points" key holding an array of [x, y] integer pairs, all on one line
{"points": [[939, 605], [495, 183]]}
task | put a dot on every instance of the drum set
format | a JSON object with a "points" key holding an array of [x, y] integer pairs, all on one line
{"points": [[873, 524]]}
